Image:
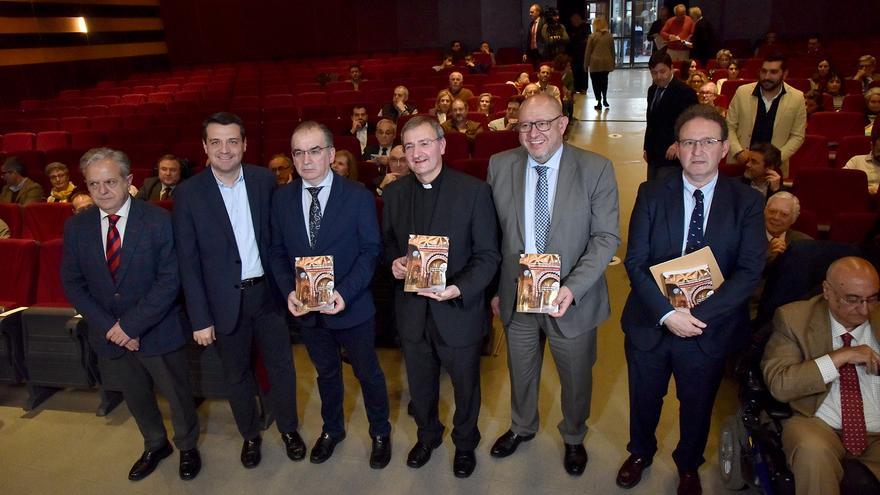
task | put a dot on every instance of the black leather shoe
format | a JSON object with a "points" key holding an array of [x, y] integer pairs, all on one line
{"points": [[575, 459], [380, 455], [689, 483], [294, 445], [190, 464], [250, 453], [598, 106], [507, 443], [464, 463], [631, 472], [148, 462], [323, 448], [419, 455]]}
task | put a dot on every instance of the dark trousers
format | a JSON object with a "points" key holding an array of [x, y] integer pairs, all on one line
{"points": [[259, 322], [323, 345], [600, 85], [139, 376], [424, 359], [697, 377]]}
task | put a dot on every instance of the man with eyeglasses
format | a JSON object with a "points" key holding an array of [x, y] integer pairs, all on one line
{"points": [[282, 167], [222, 236], [19, 189], [441, 329], [553, 198], [386, 132], [397, 168], [865, 74], [671, 218], [823, 359]]}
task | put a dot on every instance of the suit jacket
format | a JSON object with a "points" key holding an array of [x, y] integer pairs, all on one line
{"points": [[703, 39], [660, 127], [373, 149], [210, 265], [143, 299], [30, 192], [539, 35], [788, 127], [734, 231], [465, 214], [152, 189], [584, 230], [349, 232], [801, 333]]}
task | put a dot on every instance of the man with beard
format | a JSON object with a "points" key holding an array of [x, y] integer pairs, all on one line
{"points": [[762, 169], [769, 111], [668, 97], [460, 123]]}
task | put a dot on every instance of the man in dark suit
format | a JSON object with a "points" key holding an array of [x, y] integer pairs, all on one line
{"points": [[443, 329], [672, 217], [703, 39], [324, 214], [119, 270], [221, 225], [667, 98], [581, 225], [169, 173], [533, 43], [386, 132]]}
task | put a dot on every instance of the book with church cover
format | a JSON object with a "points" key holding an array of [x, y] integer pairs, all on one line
{"points": [[688, 287], [427, 257], [538, 283], [314, 282]]}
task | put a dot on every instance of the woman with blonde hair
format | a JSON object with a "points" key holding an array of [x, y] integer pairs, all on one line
{"points": [[62, 188], [484, 104], [599, 60], [442, 106]]}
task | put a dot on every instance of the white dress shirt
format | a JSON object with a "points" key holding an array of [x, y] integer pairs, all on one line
{"points": [[235, 198], [323, 197], [529, 199], [120, 224], [689, 202]]}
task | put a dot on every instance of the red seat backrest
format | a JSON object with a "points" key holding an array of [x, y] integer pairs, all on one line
{"points": [[77, 123], [476, 167], [851, 146], [50, 292], [852, 227], [53, 140], [457, 147], [829, 191], [854, 103], [836, 125], [18, 141], [11, 214], [813, 153], [488, 143], [45, 221], [18, 272]]}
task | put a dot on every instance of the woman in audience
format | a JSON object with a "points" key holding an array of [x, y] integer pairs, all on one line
{"points": [[62, 188], [813, 102], [732, 74], [442, 106], [834, 87], [872, 99], [687, 68], [696, 80], [723, 58], [521, 82], [484, 105], [599, 59], [345, 165], [820, 77]]}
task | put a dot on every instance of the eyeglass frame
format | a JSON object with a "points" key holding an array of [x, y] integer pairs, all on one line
{"points": [[692, 143], [526, 127], [313, 153], [422, 144], [842, 299]]}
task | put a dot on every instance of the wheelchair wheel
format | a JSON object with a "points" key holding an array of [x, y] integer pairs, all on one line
{"points": [[730, 449]]}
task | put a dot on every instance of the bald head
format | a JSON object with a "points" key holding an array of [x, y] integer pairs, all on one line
{"points": [[850, 287], [852, 267], [680, 10]]}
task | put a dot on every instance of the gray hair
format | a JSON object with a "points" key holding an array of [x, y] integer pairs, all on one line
{"points": [[795, 203], [872, 92], [98, 154], [312, 125], [419, 121]]}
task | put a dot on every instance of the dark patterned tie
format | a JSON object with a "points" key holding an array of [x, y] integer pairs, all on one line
{"points": [[695, 230], [314, 214], [114, 246], [542, 209], [852, 412], [657, 96], [165, 195]]}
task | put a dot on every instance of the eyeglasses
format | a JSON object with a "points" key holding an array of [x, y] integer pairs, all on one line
{"points": [[313, 152], [692, 143], [853, 300], [423, 144], [541, 125]]}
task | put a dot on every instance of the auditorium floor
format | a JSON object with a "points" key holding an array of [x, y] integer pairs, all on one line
{"points": [[62, 447]]}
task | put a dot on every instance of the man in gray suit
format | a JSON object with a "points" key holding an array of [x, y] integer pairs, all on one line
{"points": [[553, 198]]}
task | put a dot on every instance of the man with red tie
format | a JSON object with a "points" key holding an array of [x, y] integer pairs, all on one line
{"points": [[823, 360], [534, 42]]}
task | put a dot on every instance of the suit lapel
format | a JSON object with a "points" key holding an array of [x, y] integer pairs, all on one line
{"points": [[214, 202], [299, 227], [819, 340], [95, 245], [134, 227], [718, 211], [675, 212], [518, 185]]}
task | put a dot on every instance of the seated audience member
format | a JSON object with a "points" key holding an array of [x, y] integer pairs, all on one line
{"points": [[732, 74], [723, 58], [762, 169], [442, 106], [386, 131], [398, 105], [360, 127], [460, 123], [397, 168], [820, 78], [345, 165], [161, 187], [872, 104], [780, 213], [815, 49], [81, 201], [865, 74], [834, 88], [282, 166], [813, 102], [530, 90], [355, 76], [510, 119], [767, 46], [485, 104], [521, 82], [4, 230], [473, 66], [707, 95], [688, 67], [456, 88], [62, 188], [822, 359], [696, 80], [456, 51], [445, 63], [18, 188], [869, 164], [487, 49], [544, 86]]}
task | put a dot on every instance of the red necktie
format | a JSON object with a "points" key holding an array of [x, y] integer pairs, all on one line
{"points": [[533, 38], [114, 246], [855, 438]]}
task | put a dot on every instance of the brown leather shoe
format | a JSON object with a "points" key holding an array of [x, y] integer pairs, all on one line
{"points": [[689, 483], [631, 472]]}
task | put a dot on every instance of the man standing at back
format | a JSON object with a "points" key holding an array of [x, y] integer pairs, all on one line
{"points": [[553, 198], [667, 98], [221, 225]]}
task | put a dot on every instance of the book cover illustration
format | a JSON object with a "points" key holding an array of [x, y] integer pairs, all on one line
{"points": [[314, 282], [688, 287], [427, 257], [538, 283]]}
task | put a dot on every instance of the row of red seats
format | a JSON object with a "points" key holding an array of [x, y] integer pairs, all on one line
{"points": [[30, 273]]}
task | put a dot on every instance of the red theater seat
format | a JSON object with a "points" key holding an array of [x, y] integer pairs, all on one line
{"points": [[854, 103], [836, 125], [84, 140], [45, 221], [852, 227], [477, 167], [457, 147], [53, 140], [18, 272], [133, 99], [18, 141], [11, 214], [488, 143], [812, 154], [42, 125], [829, 191], [50, 292], [851, 146], [77, 123]]}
